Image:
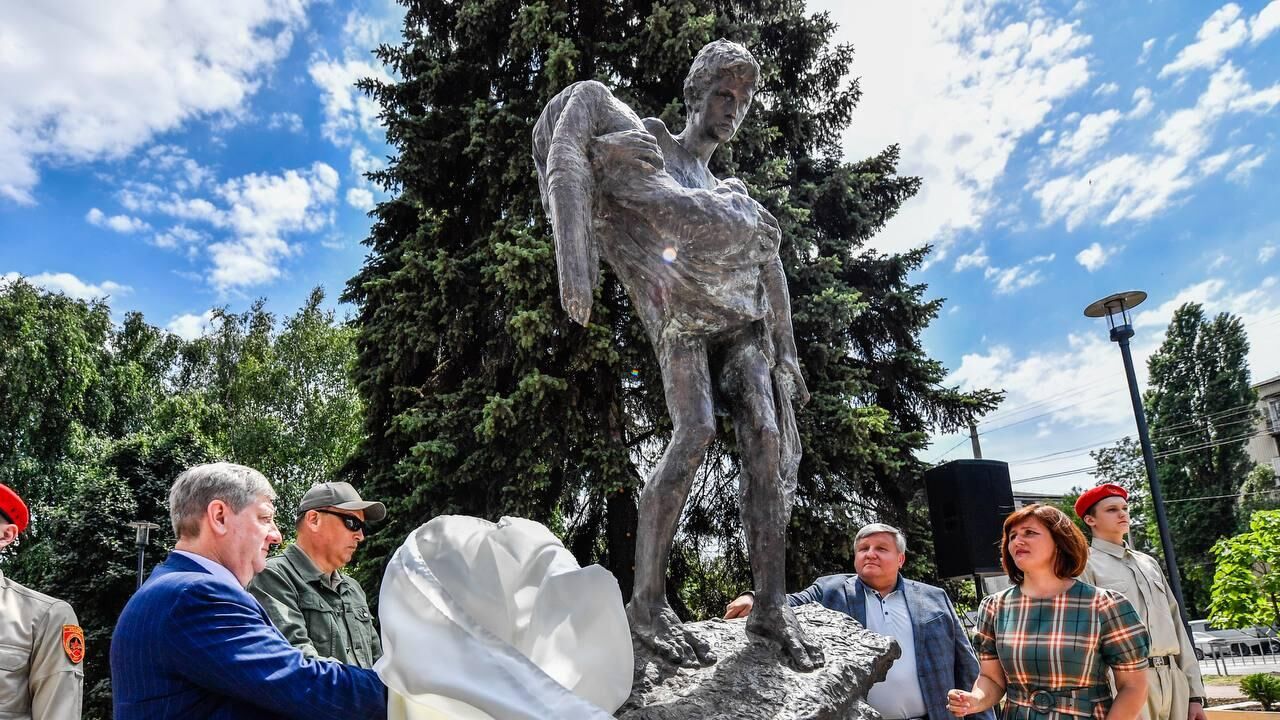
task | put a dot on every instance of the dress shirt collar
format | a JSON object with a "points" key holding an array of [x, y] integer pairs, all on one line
{"points": [[1110, 548], [872, 591], [214, 568]]}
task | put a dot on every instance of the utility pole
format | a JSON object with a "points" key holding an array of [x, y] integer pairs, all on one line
{"points": [[973, 440]]}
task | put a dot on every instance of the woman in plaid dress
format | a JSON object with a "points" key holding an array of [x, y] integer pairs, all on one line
{"points": [[1046, 643]]}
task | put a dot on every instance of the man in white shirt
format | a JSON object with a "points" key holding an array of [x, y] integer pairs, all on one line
{"points": [[935, 649]]}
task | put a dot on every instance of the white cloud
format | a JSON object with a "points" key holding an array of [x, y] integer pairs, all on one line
{"points": [[261, 210], [1095, 256], [1018, 277], [1266, 252], [1212, 164], [1046, 137], [987, 82], [1224, 31], [1106, 89], [1136, 187], [363, 162], [1146, 50], [71, 285], [1241, 173], [1265, 22], [287, 121], [1091, 133], [101, 79], [189, 326], [1142, 103], [251, 214], [976, 259], [346, 108], [123, 224], [360, 199]]}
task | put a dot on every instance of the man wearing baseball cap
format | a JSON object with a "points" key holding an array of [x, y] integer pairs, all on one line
{"points": [[1175, 690], [41, 643], [319, 609]]}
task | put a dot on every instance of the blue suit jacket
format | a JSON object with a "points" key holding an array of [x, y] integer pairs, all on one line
{"points": [[189, 647], [944, 657]]}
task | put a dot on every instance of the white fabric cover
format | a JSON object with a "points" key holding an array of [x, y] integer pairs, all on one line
{"points": [[484, 621]]}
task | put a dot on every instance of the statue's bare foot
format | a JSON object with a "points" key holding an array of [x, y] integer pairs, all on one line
{"points": [[778, 623], [658, 627]]}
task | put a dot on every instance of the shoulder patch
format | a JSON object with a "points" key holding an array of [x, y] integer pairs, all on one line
{"points": [[73, 643]]}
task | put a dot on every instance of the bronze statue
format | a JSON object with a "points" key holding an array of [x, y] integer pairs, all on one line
{"points": [[699, 259]]}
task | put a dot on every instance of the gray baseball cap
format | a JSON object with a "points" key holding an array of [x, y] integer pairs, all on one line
{"points": [[342, 496]]}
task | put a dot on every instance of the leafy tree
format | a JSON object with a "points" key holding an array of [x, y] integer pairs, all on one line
{"points": [[1259, 491], [1201, 411], [1121, 464], [1246, 582], [481, 396], [97, 419]]}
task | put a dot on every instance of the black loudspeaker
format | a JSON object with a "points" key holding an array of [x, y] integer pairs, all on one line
{"points": [[968, 502]]}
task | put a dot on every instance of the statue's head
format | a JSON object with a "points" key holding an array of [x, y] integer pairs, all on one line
{"points": [[719, 88]]}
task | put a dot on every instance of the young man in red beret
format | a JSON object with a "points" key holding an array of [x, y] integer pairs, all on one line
{"points": [[1175, 690], [40, 639]]}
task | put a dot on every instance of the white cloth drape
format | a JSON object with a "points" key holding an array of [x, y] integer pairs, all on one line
{"points": [[485, 621]]}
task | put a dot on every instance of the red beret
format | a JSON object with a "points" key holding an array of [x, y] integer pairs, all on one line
{"points": [[13, 507], [1090, 497]]}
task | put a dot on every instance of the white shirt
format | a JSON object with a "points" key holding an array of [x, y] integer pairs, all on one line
{"points": [[898, 696], [218, 571]]}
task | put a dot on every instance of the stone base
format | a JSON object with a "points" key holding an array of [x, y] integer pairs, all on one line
{"points": [[751, 680]]}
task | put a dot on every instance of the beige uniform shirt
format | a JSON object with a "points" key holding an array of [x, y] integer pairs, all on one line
{"points": [[1141, 580], [41, 656]]}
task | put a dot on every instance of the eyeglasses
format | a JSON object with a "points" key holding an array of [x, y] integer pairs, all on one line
{"points": [[351, 522]]}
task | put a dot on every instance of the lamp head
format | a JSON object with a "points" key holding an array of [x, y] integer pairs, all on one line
{"points": [[1115, 308]]}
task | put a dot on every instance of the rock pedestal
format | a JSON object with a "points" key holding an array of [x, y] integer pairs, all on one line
{"points": [[750, 680]]}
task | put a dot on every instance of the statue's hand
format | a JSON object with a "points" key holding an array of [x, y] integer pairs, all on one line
{"points": [[787, 373], [628, 146]]}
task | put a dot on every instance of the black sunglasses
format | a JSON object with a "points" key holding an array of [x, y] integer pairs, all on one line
{"points": [[351, 522]]}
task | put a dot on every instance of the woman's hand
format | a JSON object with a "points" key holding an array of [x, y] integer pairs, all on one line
{"points": [[962, 702]]}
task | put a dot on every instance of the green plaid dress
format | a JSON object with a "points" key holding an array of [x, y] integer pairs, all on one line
{"points": [[1055, 651]]}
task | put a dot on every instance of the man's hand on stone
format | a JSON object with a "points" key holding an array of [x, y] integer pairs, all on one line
{"points": [[629, 146], [739, 607]]}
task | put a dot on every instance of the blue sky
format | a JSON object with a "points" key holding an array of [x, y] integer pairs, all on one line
{"points": [[183, 156]]}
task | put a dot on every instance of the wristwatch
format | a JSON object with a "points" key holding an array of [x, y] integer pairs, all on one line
{"points": [[1196, 700]]}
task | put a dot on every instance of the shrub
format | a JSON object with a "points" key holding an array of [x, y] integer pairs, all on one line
{"points": [[1262, 688]]}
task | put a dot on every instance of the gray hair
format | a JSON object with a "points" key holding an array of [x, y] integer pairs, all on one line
{"points": [[236, 485], [876, 529], [715, 59]]}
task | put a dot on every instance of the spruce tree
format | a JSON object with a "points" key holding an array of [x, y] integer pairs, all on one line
{"points": [[481, 396], [1201, 410]]}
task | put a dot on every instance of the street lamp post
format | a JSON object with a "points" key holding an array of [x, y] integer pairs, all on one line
{"points": [[142, 532], [1116, 307]]}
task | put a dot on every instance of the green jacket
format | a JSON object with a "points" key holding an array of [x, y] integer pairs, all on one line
{"points": [[324, 616]]}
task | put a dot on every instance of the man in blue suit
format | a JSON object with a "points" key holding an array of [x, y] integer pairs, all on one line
{"points": [[936, 654], [192, 644]]}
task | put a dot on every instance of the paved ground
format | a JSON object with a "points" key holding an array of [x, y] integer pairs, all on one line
{"points": [[1237, 667]]}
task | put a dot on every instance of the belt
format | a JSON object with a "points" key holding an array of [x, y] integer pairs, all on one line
{"points": [[1160, 661], [1072, 701]]}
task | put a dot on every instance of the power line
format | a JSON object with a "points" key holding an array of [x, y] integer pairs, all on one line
{"points": [[1219, 497], [1045, 414], [1163, 438], [1168, 453]]}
